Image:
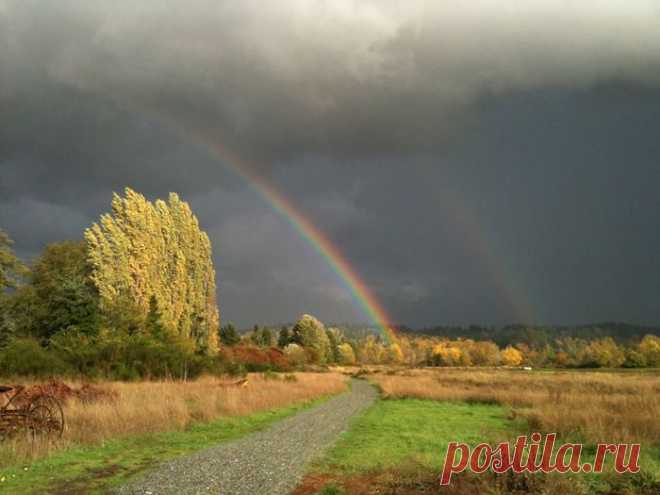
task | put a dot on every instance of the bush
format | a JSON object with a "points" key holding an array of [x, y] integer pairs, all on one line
{"points": [[271, 375], [25, 357], [634, 359], [256, 359], [295, 354]]}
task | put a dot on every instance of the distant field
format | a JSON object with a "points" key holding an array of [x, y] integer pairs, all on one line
{"points": [[399, 444], [590, 407]]}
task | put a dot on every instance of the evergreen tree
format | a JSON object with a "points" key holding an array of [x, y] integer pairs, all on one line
{"points": [[261, 336], [145, 249], [228, 335], [11, 268], [266, 337], [284, 338], [60, 295], [153, 324]]}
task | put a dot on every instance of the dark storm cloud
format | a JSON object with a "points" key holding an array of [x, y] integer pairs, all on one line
{"points": [[340, 77], [465, 157]]}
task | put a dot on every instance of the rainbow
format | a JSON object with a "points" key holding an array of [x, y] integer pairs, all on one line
{"points": [[464, 219], [359, 290]]}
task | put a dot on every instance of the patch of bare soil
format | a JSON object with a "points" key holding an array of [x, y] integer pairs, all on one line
{"points": [[393, 482]]}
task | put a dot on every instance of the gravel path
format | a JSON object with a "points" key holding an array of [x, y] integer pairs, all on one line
{"points": [[268, 462]]}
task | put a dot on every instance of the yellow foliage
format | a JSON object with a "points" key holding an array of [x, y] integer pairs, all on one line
{"points": [[346, 353], [395, 353], [448, 355], [511, 356], [144, 249]]}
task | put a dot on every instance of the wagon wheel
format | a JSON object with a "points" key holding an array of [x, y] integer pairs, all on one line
{"points": [[44, 417]]}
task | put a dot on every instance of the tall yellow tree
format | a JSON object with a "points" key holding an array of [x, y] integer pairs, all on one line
{"points": [[143, 249]]}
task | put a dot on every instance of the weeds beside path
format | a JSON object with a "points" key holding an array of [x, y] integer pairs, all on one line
{"points": [[97, 469], [268, 462]]}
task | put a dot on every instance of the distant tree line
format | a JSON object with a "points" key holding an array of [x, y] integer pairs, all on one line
{"points": [[536, 336]]}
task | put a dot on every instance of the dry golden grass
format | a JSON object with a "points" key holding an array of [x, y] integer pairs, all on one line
{"points": [[599, 406], [148, 407]]}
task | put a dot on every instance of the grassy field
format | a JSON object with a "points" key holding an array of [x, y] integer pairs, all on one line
{"points": [[588, 407], [413, 431], [398, 446]]}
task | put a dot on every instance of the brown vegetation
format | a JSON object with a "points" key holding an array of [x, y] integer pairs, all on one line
{"points": [[596, 406], [146, 407], [413, 480]]}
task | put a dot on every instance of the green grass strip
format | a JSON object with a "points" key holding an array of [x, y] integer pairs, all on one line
{"points": [[392, 432]]}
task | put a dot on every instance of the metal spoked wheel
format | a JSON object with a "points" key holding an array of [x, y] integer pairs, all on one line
{"points": [[44, 418]]}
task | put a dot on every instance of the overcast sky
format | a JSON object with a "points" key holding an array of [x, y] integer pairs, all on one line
{"points": [[490, 161]]}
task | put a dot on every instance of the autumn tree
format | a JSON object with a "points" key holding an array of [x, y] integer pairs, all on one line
{"points": [[484, 353], [602, 353], [394, 353], [511, 356], [649, 347], [310, 333], [142, 250], [372, 350], [445, 354], [335, 337], [346, 353]]}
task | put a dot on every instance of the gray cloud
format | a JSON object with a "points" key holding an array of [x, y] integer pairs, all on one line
{"points": [[338, 77], [475, 162]]}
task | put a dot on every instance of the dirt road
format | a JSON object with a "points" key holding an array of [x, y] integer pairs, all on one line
{"points": [[270, 462]]}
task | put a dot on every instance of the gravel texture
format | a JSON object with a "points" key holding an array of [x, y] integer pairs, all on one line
{"points": [[268, 462]]}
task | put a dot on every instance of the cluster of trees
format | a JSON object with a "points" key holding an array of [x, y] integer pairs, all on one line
{"points": [[535, 336], [563, 352], [135, 298], [308, 341]]}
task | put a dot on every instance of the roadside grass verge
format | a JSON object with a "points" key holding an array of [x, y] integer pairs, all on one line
{"points": [[99, 469]]}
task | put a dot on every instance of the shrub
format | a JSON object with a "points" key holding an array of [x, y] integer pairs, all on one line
{"points": [[295, 354], [271, 375], [634, 359], [26, 357]]}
